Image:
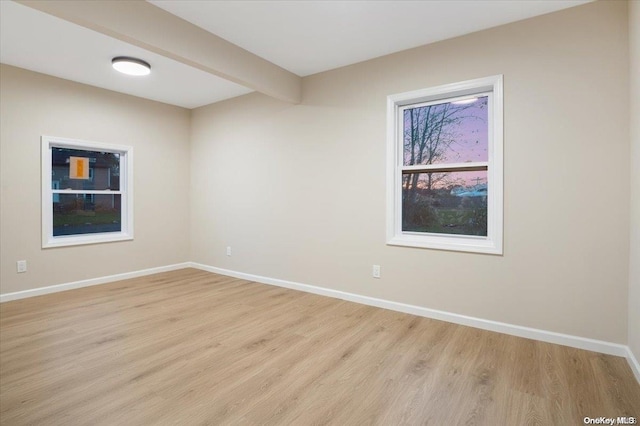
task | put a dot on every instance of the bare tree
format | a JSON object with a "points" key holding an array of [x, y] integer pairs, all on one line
{"points": [[429, 133]]}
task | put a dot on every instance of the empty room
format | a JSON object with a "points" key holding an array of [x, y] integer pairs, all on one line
{"points": [[319, 212]]}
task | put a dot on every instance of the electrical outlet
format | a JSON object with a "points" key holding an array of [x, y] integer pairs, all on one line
{"points": [[228, 250], [376, 271], [21, 266]]}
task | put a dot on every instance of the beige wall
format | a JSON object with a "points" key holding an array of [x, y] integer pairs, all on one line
{"points": [[298, 192], [634, 270], [32, 105]]}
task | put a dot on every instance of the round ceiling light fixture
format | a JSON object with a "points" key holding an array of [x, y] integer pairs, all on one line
{"points": [[131, 66]]}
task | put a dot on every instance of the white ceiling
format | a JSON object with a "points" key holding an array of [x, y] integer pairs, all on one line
{"points": [[307, 37], [304, 37], [39, 42]]}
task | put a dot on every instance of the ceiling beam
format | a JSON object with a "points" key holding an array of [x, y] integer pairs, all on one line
{"points": [[142, 24]]}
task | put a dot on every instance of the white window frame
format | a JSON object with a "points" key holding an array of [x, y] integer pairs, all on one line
{"points": [[125, 192], [492, 243]]}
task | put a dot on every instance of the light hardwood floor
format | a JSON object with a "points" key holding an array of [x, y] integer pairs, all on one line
{"points": [[190, 348]]}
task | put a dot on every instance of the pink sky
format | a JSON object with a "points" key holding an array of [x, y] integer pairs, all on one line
{"points": [[471, 141]]}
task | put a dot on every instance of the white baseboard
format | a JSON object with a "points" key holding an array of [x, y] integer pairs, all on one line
{"points": [[500, 327], [633, 363], [86, 283]]}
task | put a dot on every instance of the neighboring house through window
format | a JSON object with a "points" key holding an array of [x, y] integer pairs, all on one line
{"points": [[87, 192], [445, 167]]}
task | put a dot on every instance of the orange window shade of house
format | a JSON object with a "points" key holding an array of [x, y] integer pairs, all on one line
{"points": [[78, 168]]}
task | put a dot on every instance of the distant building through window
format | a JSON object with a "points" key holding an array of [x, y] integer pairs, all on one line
{"points": [[87, 192]]}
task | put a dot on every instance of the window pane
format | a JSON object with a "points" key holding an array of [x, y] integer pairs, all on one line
{"points": [[77, 214], [445, 203], [450, 132], [84, 170]]}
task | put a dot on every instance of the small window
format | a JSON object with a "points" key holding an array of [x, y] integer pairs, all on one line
{"points": [[87, 192], [445, 167]]}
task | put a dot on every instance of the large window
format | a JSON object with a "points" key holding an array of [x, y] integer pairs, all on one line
{"points": [[445, 167], [87, 190]]}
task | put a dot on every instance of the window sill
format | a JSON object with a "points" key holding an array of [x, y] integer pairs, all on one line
{"points": [[447, 242], [75, 240]]}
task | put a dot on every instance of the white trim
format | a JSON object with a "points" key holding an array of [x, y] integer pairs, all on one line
{"points": [[7, 297], [491, 244], [446, 166], [126, 193], [88, 191], [633, 363], [499, 327]]}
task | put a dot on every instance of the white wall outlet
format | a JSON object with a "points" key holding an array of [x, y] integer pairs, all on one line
{"points": [[228, 250], [21, 266], [376, 271]]}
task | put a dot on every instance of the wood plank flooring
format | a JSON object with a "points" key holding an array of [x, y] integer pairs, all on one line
{"points": [[193, 348]]}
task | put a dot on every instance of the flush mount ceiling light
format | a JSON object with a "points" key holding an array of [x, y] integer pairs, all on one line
{"points": [[131, 66]]}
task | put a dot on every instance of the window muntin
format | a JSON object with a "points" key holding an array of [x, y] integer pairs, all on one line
{"points": [[87, 192], [445, 167]]}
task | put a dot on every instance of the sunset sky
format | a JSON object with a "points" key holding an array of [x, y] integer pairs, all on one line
{"points": [[470, 141]]}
